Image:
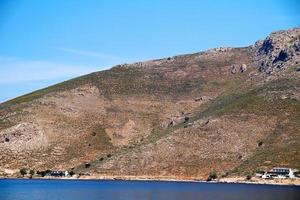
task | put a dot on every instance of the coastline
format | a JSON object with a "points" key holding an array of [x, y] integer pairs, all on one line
{"points": [[231, 180]]}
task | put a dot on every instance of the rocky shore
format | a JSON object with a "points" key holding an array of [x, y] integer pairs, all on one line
{"points": [[230, 180]]}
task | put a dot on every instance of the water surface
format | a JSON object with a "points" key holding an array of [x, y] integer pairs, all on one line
{"points": [[140, 190]]}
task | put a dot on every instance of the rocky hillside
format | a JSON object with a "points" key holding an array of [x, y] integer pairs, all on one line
{"points": [[229, 110]]}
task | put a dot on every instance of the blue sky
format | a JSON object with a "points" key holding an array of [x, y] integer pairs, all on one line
{"points": [[46, 42]]}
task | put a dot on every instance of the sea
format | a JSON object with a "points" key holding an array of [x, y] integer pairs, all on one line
{"points": [[34, 189]]}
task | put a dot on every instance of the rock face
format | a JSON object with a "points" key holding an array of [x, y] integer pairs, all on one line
{"points": [[277, 51]]}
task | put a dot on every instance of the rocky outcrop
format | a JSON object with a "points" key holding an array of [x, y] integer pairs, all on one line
{"points": [[238, 68], [243, 68], [203, 98], [278, 51], [219, 50]]}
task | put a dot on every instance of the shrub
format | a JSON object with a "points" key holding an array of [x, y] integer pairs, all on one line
{"points": [[297, 173], [32, 172], [213, 175], [71, 173], [23, 171], [87, 165], [186, 119], [248, 177], [44, 173]]}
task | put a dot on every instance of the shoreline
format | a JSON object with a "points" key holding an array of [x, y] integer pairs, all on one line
{"points": [[234, 180]]}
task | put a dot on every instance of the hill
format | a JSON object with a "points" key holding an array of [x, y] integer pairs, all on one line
{"points": [[230, 110]]}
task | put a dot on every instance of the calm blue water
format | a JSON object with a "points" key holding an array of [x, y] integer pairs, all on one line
{"points": [[140, 190]]}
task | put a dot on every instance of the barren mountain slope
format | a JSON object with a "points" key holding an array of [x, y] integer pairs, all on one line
{"points": [[233, 110]]}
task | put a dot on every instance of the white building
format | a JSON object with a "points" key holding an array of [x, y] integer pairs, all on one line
{"points": [[279, 172]]}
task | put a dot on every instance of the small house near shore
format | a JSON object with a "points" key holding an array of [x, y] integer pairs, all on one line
{"points": [[54, 173], [279, 172], [59, 173]]}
